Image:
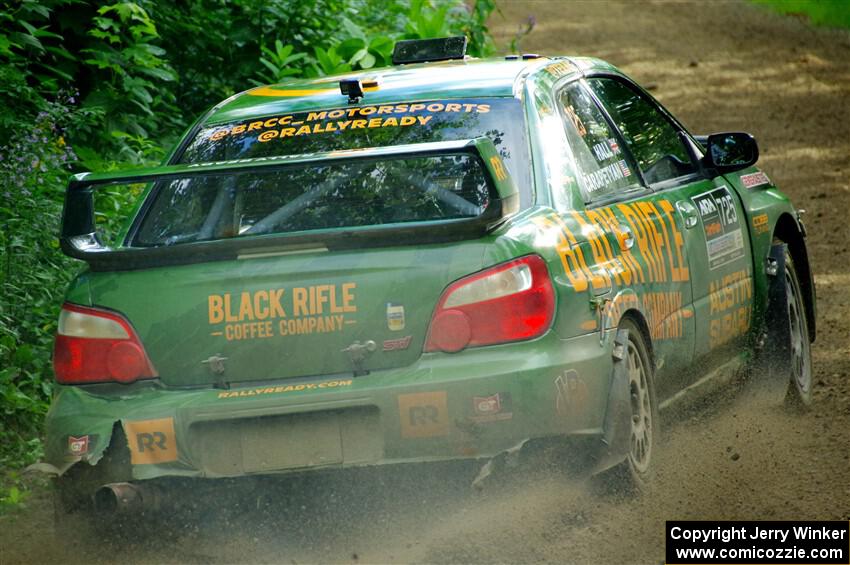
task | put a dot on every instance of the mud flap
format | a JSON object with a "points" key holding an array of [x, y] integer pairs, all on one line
{"points": [[617, 426], [774, 356]]}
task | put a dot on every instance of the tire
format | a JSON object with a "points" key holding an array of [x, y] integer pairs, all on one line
{"points": [[799, 393], [635, 473]]}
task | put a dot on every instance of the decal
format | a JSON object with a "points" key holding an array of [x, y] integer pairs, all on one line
{"points": [[368, 84], [493, 408], [664, 312], [730, 307], [79, 446], [151, 441], [397, 344], [571, 393], [561, 68], [341, 119], [275, 312], [498, 167], [576, 121], [243, 393], [606, 175], [653, 227], [761, 223], [615, 147], [723, 238], [753, 180], [602, 151], [423, 414], [395, 317]]}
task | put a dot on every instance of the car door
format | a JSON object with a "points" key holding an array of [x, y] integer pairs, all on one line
{"points": [[707, 209], [640, 229]]}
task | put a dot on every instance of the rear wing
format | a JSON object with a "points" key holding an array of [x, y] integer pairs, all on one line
{"points": [[80, 239]]}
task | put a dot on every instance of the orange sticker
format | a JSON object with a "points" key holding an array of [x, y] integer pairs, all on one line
{"points": [[151, 441], [423, 414]]}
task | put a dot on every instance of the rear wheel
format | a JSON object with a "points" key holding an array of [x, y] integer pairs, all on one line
{"points": [[635, 473]]}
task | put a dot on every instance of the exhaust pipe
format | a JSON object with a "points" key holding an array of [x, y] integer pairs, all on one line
{"points": [[127, 498]]}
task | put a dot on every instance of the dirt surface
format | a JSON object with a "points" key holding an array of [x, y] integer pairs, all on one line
{"points": [[718, 66]]}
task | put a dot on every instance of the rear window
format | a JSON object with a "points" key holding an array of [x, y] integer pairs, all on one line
{"points": [[315, 196], [354, 127]]}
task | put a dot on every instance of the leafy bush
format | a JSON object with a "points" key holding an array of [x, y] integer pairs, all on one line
{"points": [[33, 274]]}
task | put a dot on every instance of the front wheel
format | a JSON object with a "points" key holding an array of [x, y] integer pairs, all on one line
{"points": [[800, 388]]}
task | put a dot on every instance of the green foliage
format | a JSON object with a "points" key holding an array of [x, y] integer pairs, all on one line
{"points": [[131, 93], [33, 274], [279, 63], [833, 13]]}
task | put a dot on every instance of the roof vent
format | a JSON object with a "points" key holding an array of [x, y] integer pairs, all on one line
{"points": [[426, 50]]}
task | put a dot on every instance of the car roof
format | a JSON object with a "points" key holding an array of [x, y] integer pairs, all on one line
{"points": [[469, 78]]}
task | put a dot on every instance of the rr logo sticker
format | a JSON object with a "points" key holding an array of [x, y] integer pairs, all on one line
{"points": [[423, 414], [151, 441]]}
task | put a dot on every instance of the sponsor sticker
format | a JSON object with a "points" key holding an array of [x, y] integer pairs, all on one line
{"points": [[151, 441], [423, 414], [395, 317], [341, 119], [761, 224], [561, 68], [282, 312], [261, 391], [397, 344], [492, 408], [571, 393], [78, 446], [723, 238], [753, 180], [498, 167]]}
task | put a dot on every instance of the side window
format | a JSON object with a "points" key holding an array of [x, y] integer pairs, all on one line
{"points": [[651, 137], [604, 170]]}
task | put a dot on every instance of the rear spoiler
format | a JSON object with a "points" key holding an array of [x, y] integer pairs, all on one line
{"points": [[79, 237]]}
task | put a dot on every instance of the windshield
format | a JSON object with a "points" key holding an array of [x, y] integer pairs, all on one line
{"points": [[354, 127], [325, 195]]}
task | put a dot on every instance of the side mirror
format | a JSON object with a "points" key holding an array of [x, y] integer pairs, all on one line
{"points": [[730, 152]]}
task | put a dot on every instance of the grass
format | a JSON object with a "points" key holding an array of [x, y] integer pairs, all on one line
{"points": [[832, 13]]}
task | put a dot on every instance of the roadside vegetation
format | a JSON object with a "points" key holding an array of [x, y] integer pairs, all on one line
{"points": [[93, 86], [830, 13]]}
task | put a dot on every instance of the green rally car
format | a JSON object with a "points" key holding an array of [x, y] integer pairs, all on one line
{"points": [[449, 258]]}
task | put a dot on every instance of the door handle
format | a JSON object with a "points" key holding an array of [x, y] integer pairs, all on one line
{"points": [[625, 237], [689, 213]]}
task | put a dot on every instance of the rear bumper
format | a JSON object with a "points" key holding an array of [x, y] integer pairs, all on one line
{"points": [[473, 404]]}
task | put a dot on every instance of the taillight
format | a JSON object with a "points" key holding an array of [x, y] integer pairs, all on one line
{"points": [[513, 301], [94, 345]]}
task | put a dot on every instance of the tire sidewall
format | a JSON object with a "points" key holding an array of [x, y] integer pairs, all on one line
{"points": [[641, 479], [796, 396]]}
